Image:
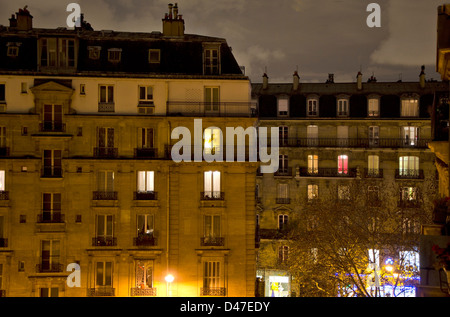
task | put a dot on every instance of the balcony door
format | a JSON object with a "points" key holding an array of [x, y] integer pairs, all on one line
{"points": [[212, 99], [52, 118]]}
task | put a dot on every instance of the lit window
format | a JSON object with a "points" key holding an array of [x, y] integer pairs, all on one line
{"points": [[2, 181], [343, 164], [313, 191], [312, 134], [373, 164], [313, 164], [145, 181], [374, 107], [283, 106], [410, 136], [343, 192], [410, 107], [408, 166], [212, 185], [212, 137]]}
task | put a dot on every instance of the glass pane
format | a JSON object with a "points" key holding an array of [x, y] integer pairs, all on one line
{"points": [[2, 180], [100, 225], [108, 274], [208, 184], [100, 273], [150, 181], [141, 181]]}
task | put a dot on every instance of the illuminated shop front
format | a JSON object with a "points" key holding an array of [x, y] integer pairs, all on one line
{"points": [[276, 283]]}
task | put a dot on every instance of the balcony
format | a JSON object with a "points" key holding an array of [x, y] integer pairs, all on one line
{"points": [[4, 151], [212, 241], [216, 109], [373, 173], [409, 174], [213, 291], [145, 195], [101, 291], [3, 242], [283, 200], [145, 241], [51, 172], [212, 195], [355, 142], [149, 291], [50, 217], [106, 152], [106, 107], [146, 153], [328, 172], [104, 241], [104, 195], [4, 195], [49, 265], [284, 172], [52, 126]]}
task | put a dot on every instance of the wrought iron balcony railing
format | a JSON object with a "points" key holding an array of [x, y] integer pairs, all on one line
{"points": [[212, 241], [373, 173], [212, 195], [145, 195], [51, 172], [409, 174], [145, 240], [146, 153], [49, 265], [4, 151], [4, 195], [104, 195], [50, 217], [327, 172], [213, 291], [147, 291], [283, 171], [52, 126], [355, 142], [211, 109], [106, 152], [101, 291], [104, 241], [283, 200]]}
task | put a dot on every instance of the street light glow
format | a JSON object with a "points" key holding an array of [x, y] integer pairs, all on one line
{"points": [[169, 278]]}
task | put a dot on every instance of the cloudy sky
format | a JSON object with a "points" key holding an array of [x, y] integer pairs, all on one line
{"points": [[316, 37]]}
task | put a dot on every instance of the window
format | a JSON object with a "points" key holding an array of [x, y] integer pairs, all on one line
{"points": [[343, 164], [12, 50], [283, 106], [313, 107], [2, 138], [50, 253], [408, 194], [410, 135], [283, 193], [283, 252], [374, 134], [373, 163], [52, 163], [146, 181], [211, 277], [105, 137], [212, 185], [114, 55], [211, 62], [211, 227], [145, 225], [23, 88], [313, 192], [374, 107], [144, 274], [409, 166], [342, 107], [145, 94], [283, 165], [106, 98], [283, 222], [283, 135], [94, 52], [2, 181], [106, 181], [48, 292], [313, 164], [343, 192], [2, 93], [410, 259], [57, 52], [104, 230], [212, 137], [212, 99], [104, 274], [410, 107], [51, 207], [145, 138], [52, 115], [82, 89], [154, 56], [312, 134]]}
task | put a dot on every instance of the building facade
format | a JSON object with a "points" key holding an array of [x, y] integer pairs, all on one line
{"points": [[87, 177], [332, 136]]}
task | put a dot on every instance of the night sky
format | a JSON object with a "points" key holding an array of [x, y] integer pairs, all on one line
{"points": [[316, 37]]}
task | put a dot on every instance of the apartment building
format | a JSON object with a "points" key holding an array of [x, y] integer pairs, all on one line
{"points": [[86, 170], [332, 134]]}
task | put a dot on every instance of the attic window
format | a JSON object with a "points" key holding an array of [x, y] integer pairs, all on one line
{"points": [[154, 56], [114, 55], [211, 59], [12, 51], [94, 52]]}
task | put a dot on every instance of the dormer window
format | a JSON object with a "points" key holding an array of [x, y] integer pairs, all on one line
{"points": [[94, 52], [211, 60], [114, 55], [342, 107], [312, 104], [154, 56], [373, 105], [410, 106], [12, 49], [57, 52], [283, 106]]}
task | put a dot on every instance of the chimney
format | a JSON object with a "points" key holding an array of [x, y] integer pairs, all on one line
{"points": [[330, 79], [296, 80], [422, 77], [173, 23], [24, 20], [265, 81], [359, 81], [13, 21]]}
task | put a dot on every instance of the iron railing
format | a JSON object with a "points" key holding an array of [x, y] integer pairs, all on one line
{"points": [[146, 153], [354, 142], [52, 126], [409, 174], [212, 241], [104, 195], [50, 217], [212, 195], [213, 291], [145, 240], [101, 291], [104, 241], [211, 109], [106, 152], [149, 291], [145, 195], [49, 265], [4, 195], [328, 172], [373, 173]]}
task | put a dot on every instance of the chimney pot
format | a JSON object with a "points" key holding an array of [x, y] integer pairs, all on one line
{"points": [[296, 80], [359, 80], [265, 81], [422, 77]]}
